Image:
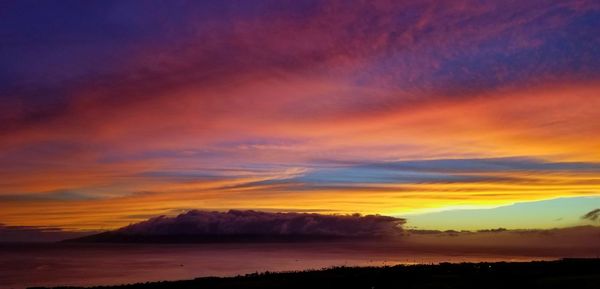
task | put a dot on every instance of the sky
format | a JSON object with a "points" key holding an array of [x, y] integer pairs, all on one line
{"points": [[452, 114]]}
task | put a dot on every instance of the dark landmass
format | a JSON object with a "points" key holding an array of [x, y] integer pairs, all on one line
{"points": [[250, 226], [117, 237], [566, 273]]}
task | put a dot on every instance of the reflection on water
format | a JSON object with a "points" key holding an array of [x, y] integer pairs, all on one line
{"points": [[101, 264]]}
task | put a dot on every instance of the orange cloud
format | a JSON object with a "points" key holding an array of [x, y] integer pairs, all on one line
{"points": [[241, 110]]}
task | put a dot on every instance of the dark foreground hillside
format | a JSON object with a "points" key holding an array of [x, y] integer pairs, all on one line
{"points": [[568, 273]]}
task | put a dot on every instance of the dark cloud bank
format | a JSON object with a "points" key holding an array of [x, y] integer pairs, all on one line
{"points": [[593, 216], [235, 225]]}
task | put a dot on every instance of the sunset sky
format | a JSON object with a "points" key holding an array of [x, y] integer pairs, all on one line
{"points": [[450, 114]]}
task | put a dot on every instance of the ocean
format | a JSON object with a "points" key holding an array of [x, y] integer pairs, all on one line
{"points": [[54, 264]]}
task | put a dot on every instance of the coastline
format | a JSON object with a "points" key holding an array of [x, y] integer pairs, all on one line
{"points": [[563, 273]]}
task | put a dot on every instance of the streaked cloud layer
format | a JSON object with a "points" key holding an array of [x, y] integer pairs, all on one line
{"points": [[113, 111]]}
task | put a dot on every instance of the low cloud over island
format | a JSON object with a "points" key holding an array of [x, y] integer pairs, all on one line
{"points": [[238, 225], [241, 226]]}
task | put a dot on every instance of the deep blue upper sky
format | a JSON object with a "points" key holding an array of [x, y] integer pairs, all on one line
{"points": [[115, 109]]}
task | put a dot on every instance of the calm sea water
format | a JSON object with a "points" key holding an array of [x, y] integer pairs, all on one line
{"points": [[24, 265]]}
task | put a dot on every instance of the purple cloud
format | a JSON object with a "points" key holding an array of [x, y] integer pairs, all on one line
{"points": [[236, 222], [197, 223]]}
